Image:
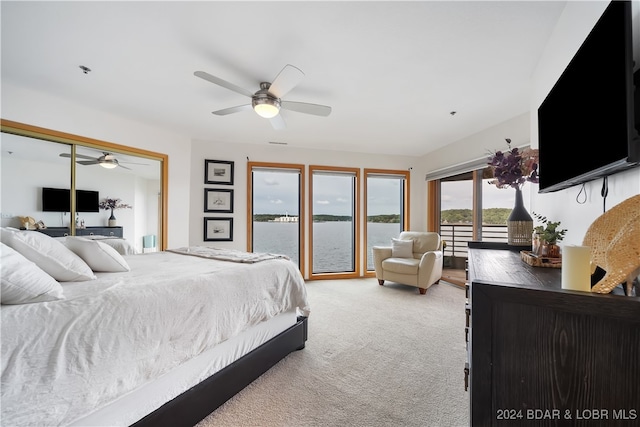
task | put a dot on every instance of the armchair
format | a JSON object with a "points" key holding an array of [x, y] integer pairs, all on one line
{"points": [[418, 263]]}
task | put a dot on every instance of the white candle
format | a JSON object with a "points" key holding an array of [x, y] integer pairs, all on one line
{"points": [[576, 270]]}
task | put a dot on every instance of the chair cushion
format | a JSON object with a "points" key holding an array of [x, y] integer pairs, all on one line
{"points": [[423, 241], [401, 265], [401, 248]]}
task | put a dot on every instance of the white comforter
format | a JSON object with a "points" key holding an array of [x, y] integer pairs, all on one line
{"points": [[64, 359]]}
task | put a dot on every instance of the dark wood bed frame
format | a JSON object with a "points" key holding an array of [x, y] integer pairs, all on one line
{"points": [[195, 404]]}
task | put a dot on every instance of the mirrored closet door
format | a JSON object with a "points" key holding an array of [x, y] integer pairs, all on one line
{"points": [[109, 190]]}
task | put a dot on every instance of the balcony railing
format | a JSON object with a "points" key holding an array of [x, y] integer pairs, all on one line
{"points": [[458, 235]]}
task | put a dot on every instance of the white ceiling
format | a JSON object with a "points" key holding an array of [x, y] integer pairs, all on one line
{"points": [[392, 71]]}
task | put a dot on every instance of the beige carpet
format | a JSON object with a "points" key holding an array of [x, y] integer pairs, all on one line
{"points": [[376, 356]]}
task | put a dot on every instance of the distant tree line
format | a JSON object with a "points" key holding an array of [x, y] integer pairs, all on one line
{"points": [[391, 218], [316, 218], [450, 216], [465, 216], [266, 217]]}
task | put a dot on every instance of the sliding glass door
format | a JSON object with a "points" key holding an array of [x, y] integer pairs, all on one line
{"points": [[473, 209]]}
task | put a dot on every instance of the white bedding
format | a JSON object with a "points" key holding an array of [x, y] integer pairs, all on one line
{"points": [[119, 244], [62, 360]]}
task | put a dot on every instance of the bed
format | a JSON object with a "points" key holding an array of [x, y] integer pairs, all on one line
{"points": [[164, 341]]}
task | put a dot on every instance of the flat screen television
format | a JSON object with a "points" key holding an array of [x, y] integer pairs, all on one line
{"points": [[588, 125], [59, 200]]}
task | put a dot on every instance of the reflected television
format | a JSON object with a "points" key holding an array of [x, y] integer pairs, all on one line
{"points": [[59, 200]]}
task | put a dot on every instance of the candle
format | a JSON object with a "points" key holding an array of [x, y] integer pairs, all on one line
{"points": [[576, 270]]}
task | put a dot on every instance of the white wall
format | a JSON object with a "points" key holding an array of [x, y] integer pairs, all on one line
{"points": [[576, 21], [476, 146], [238, 153], [575, 211], [31, 107], [23, 196], [186, 158]]}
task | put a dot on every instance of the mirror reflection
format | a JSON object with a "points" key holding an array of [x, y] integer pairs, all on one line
{"points": [[118, 195]]}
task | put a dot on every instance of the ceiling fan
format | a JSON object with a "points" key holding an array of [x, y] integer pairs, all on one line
{"points": [[268, 101], [107, 160]]}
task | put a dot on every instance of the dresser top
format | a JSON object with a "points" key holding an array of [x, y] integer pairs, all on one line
{"points": [[506, 267]]}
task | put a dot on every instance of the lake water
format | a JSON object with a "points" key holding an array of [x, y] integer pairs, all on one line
{"points": [[332, 242]]}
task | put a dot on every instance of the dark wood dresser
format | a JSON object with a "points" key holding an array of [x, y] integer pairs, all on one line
{"points": [[88, 231], [539, 355]]}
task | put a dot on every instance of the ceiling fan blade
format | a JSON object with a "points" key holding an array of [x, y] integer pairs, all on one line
{"points": [[286, 80], [216, 80], [232, 110], [88, 162], [278, 122], [82, 156], [119, 165], [303, 107]]}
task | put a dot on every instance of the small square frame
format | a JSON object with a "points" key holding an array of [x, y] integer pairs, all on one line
{"points": [[218, 200], [218, 172], [218, 229]]}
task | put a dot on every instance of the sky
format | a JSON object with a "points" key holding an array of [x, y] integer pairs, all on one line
{"points": [[277, 193], [458, 195]]}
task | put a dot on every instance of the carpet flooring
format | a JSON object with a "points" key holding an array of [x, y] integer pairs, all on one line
{"points": [[375, 356]]}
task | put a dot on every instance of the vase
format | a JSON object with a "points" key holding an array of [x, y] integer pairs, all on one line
{"points": [[112, 219], [550, 250], [519, 223]]}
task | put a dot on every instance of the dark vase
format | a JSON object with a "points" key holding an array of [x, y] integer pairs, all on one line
{"points": [[519, 223], [112, 219]]}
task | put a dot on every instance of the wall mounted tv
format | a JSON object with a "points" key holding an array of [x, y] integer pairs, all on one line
{"points": [[589, 124], [59, 200]]}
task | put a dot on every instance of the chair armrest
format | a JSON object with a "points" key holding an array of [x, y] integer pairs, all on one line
{"points": [[430, 268], [380, 253], [431, 260], [431, 257]]}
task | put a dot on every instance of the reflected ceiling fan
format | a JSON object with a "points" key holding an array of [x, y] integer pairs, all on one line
{"points": [[268, 101], [107, 160]]}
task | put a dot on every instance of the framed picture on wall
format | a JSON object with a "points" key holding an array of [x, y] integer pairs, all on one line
{"points": [[218, 172], [218, 200], [218, 229]]}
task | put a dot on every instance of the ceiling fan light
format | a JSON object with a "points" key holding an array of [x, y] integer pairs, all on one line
{"points": [[108, 161], [267, 111], [109, 165], [265, 105]]}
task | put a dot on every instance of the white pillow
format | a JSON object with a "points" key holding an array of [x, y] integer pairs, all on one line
{"points": [[49, 254], [99, 256], [22, 282], [401, 248]]}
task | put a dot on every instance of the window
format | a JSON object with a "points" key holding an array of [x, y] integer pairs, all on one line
{"points": [[334, 236], [276, 219], [386, 208]]}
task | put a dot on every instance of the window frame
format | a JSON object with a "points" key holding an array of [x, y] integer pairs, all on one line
{"points": [[406, 205], [251, 166], [356, 225]]}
